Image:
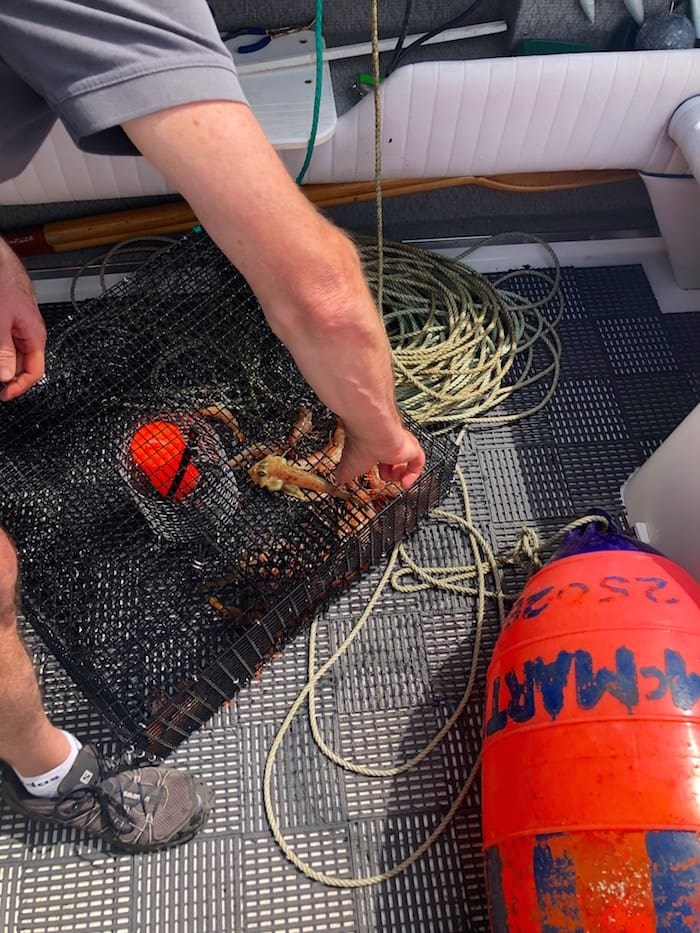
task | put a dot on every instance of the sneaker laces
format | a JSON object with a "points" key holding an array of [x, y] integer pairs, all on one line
{"points": [[114, 811]]}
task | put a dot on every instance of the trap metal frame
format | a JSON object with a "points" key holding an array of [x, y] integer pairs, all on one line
{"points": [[161, 607]]}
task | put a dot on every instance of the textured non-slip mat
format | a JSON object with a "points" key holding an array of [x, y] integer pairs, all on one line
{"points": [[629, 375]]}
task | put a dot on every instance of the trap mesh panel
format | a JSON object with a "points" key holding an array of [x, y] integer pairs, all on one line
{"points": [[156, 565]]}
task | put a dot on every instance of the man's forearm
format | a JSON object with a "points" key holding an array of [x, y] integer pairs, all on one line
{"points": [[305, 272]]}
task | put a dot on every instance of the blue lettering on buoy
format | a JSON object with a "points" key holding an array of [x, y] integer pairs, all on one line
{"points": [[499, 717], [621, 683], [551, 679], [532, 609], [659, 584], [521, 705], [548, 680], [661, 682], [605, 584], [607, 589], [684, 687]]}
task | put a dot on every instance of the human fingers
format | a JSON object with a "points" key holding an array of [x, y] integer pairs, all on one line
{"points": [[401, 462], [29, 361], [414, 465], [30, 369], [352, 464], [8, 356], [404, 474], [405, 471], [410, 474]]}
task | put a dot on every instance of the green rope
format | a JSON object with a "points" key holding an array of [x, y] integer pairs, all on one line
{"points": [[318, 91]]}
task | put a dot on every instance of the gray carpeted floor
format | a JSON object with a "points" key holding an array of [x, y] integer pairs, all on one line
{"points": [[629, 375]]}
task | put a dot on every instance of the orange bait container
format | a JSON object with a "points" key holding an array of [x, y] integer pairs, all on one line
{"points": [[160, 451], [591, 758]]}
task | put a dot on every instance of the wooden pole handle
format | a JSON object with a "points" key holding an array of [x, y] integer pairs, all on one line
{"points": [[120, 224], [177, 216]]}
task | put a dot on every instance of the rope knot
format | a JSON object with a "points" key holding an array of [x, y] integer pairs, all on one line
{"points": [[526, 552]]}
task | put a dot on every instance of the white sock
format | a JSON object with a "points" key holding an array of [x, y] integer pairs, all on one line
{"points": [[46, 785]]}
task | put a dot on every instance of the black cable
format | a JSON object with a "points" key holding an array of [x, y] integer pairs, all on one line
{"points": [[402, 37], [450, 24]]}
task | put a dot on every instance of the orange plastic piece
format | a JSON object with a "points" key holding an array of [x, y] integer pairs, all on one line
{"points": [[592, 747], [158, 449]]}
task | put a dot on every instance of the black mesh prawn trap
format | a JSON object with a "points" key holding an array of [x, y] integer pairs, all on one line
{"points": [[157, 563]]}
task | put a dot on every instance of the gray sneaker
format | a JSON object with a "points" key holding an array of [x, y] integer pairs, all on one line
{"points": [[136, 809]]}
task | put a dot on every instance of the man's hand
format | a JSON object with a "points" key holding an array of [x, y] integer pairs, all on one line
{"points": [[22, 330], [401, 458]]}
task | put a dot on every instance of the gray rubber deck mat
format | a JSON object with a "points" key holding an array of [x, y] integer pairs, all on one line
{"points": [[629, 375]]}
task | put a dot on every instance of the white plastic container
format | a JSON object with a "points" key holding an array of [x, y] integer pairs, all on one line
{"points": [[662, 498], [676, 203]]}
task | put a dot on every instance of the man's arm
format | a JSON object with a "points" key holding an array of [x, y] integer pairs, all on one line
{"points": [[22, 330], [304, 271]]}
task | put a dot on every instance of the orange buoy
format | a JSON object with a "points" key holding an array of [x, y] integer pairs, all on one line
{"points": [[160, 450], [591, 758]]}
